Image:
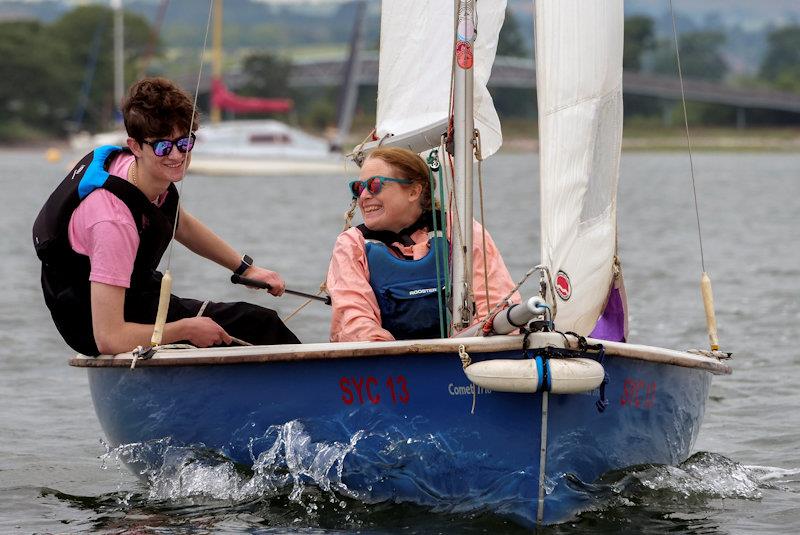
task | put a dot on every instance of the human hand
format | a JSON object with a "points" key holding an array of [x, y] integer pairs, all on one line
{"points": [[203, 332], [275, 282]]}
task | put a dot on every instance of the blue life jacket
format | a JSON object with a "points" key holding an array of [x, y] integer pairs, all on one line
{"points": [[406, 289]]}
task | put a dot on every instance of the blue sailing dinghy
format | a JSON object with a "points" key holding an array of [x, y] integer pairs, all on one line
{"points": [[511, 424]]}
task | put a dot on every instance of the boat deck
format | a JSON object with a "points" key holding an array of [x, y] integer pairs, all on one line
{"points": [[324, 351]]}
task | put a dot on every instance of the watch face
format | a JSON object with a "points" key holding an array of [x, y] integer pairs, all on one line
{"points": [[243, 265]]}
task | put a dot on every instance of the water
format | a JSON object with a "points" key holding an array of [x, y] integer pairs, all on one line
{"points": [[57, 476]]}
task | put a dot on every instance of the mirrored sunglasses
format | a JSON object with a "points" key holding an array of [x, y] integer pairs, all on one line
{"points": [[373, 184], [162, 147]]}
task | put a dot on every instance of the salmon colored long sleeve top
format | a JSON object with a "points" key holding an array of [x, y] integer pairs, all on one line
{"points": [[356, 315]]}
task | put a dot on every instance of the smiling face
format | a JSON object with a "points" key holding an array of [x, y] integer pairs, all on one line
{"points": [[160, 171], [397, 205]]}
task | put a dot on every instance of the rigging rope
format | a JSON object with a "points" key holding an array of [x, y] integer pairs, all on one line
{"points": [[479, 157], [191, 127], [688, 138], [166, 281], [705, 280], [434, 165], [490, 314]]}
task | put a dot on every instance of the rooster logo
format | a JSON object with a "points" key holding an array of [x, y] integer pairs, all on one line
{"points": [[563, 286]]}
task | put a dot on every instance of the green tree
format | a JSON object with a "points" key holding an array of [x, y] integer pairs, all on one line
{"points": [[74, 31], [639, 39], [510, 41], [701, 56], [512, 101], [266, 75], [33, 97], [781, 63]]}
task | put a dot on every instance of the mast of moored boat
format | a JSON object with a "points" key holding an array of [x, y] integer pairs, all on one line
{"points": [[216, 58], [463, 124], [119, 65], [352, 68]]}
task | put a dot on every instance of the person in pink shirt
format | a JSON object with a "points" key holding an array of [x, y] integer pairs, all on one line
{"points": [[383, 277], [103, 231]]}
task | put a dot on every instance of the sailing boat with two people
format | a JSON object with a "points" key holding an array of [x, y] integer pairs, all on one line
{"points": [[511, 418]]}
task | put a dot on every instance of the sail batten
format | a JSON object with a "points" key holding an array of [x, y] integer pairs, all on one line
{"points": [[579, 89]]}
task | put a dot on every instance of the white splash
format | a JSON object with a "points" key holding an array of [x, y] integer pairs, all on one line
{"points": [[289, 466]]}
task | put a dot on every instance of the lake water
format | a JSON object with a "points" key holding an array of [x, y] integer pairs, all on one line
{"points": [[56, 475]]}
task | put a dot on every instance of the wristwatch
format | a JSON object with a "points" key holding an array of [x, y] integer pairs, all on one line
{"points": [[244, 265]]}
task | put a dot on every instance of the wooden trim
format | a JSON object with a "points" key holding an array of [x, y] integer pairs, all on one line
{"points": [[326, 351], [660, 355]]}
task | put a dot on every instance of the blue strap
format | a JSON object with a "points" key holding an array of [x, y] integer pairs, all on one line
{"points": [[603, 402], [539, 373], [546, 375], [96, 175]]}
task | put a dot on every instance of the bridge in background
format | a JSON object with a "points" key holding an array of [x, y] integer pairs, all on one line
{"points": [[520, 73]]}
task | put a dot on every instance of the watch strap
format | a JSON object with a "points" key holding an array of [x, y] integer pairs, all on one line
{"points": [[244, 265]]}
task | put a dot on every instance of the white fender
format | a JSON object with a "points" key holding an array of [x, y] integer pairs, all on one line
{"points": [[567, 376]]}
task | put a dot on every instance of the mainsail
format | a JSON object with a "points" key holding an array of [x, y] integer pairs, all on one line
{"points": [[416, 63], [579, 85]]}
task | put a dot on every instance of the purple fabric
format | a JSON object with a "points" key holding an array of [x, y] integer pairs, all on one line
{"points": [[611, 325]]}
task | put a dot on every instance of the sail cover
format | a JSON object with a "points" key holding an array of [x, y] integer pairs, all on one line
{"points": [[416, 63], [579, 89]]}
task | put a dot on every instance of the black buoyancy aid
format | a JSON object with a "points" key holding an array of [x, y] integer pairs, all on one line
{"points": [[65, 273], [406, 289]]}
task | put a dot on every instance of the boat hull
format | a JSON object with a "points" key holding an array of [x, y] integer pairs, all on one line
{"points": [[407, 427]]}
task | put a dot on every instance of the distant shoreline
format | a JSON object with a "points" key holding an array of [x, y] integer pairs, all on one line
{"points": [[516, 140], [672, 144], [519, 136]]}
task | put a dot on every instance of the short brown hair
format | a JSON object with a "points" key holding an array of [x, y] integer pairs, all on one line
{"points": [[154, 107], [408, 165]]}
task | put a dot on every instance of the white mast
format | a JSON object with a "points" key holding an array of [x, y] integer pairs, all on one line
{"points": [[216, 57], [464, 126], [119, 62], [414, 97]]}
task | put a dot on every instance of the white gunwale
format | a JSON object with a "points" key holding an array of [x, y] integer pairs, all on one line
{"points": [[343, 350]]}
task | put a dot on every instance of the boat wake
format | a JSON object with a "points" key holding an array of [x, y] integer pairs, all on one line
{"points": [[703, 476], [687, 498], [176, 472], [344, 480], [287, 460]]}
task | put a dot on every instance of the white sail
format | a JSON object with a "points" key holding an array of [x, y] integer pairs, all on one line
{"points": [[416, 62], [579, 85]]}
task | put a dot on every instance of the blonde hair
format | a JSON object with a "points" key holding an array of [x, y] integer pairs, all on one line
{"points": [[408, 165]]}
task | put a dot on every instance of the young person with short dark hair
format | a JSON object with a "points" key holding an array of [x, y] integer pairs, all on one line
{"points": [[103, 231]]}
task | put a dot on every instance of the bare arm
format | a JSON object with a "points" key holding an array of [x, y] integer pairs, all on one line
{"points": [[113, 334], [200, 239]]}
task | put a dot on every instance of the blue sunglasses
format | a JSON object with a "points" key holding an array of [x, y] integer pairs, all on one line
{"points": [[373, 184], [162, 147]]}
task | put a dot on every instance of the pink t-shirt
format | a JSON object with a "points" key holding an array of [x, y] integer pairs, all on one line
{"points": [[103, 229]]}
